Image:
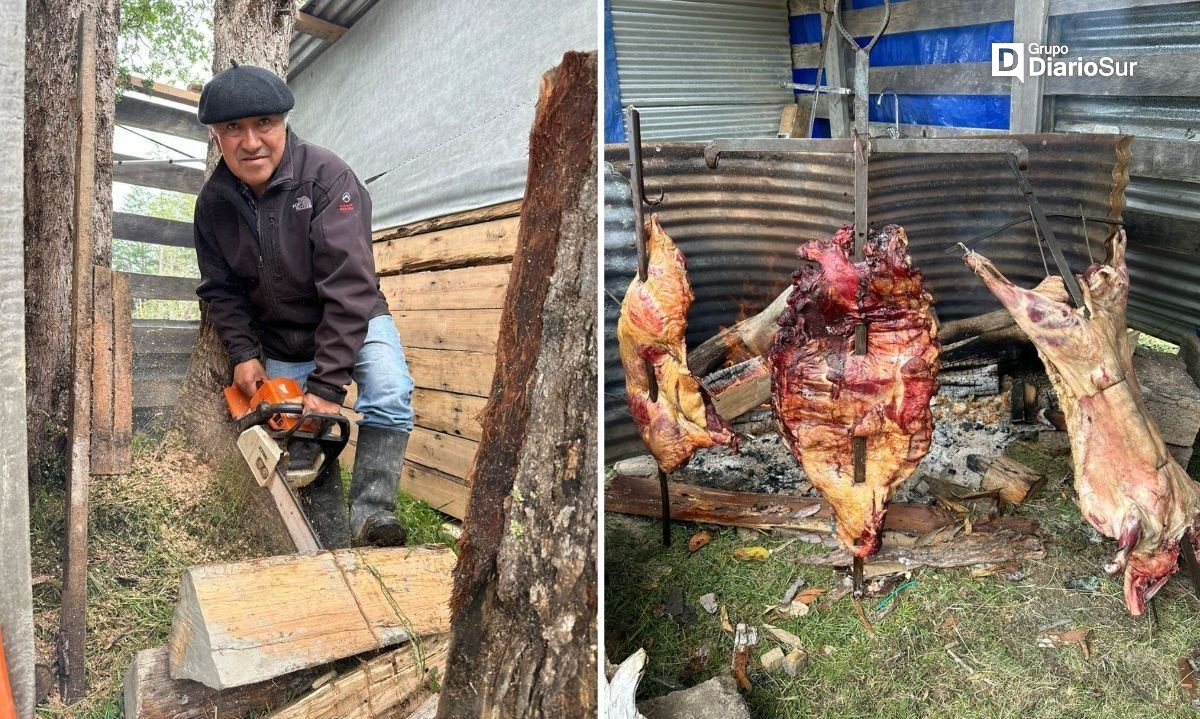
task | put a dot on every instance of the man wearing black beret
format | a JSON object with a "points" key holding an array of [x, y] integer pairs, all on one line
{"points": [[283, 240]]}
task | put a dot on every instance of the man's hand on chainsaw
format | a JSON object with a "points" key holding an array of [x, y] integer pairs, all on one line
{"points": [[313, 403], [248, 375]]}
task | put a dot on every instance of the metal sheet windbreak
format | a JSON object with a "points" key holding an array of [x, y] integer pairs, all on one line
{"points": [[739, 226], [699, 69], [1172, 27]]}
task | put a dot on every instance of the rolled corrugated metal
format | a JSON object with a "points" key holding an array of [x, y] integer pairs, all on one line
{"points": [[699, 69], [739, 225]]}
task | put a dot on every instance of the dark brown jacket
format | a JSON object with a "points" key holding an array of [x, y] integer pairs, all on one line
{"points": [[299, 284]]}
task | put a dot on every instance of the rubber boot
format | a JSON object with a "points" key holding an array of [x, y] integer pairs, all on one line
{"points": [[377, 462], [325, 506]]}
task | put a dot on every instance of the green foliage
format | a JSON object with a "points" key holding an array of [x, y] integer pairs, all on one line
{"points": [[166, 40]]}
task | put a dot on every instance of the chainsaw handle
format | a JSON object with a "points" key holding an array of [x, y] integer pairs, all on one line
{"points": [[332, 444]]}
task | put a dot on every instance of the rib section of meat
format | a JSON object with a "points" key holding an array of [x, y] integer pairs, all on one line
{"points": [[824, 395], [672, 410], [1129, 486]]}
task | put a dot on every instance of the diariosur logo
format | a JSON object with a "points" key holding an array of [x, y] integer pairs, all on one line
{"points": [[1021, 60]]}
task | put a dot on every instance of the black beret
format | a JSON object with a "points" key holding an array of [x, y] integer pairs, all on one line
{"points": [[243, 91]]}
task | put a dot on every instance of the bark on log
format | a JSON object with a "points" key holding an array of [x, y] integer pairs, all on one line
{"points": [[690, 503], [150, 692], [236, 624], [385, 686], [1001, 543], [253, 33], [51, 127], [523, 642]]}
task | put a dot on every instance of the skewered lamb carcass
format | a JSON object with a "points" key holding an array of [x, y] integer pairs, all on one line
{"points": [[673, 412], [824, 395], [1129, 486]]}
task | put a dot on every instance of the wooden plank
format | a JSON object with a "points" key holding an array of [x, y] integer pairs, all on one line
{"points": [[451, 371], [457, 219], [918, 15], [485, 243], [689, 503], [162, 287], [122, 375], [952, 78], [16, 597], [465, 288], [159, 175], [1025, 101], [439, 490], [450, 454], [136, 111], [469, 330], [838, 106], [394, 680], [427, 710], [149, 692], [72, 618], [1166, 75], [163, 91], [316, 27], [152, 230], [103, 369], [164, 336], [449, 413], [237, 624], [1070, 7]]}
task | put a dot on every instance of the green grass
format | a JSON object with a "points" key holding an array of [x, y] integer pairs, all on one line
{"points": [[990, 623], [145, 528]]}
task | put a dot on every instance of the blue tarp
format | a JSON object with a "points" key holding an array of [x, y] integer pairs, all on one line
{"points": [[614, 127], [970, 43]]}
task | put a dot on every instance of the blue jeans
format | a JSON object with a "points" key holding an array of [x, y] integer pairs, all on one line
{"points": [[384, 385]]}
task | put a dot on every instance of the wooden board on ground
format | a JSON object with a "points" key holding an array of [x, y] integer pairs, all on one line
{"points": [[385, 686], [443, 492], [112, 374], [690, 503], [150, 693], [452, 371], [465, 288], [480, 244], [469, 330], [237, 624]]}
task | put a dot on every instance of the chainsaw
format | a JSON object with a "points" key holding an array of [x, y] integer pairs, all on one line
{"points": [[285, 447]]}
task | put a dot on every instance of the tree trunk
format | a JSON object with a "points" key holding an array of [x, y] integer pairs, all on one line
{"points": [[51, 124], [524, 624], [252, 32]]}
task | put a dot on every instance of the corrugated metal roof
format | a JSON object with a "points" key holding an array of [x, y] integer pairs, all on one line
{"points": [[699, 69], [739, 226], [306, 48]]}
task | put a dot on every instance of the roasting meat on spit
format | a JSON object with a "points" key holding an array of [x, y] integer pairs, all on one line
{"points": [[673, 412], [824, 395], [1129, 486]]}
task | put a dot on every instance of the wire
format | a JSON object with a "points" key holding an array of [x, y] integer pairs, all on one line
{"points": [[992, 233], [126, 128]]}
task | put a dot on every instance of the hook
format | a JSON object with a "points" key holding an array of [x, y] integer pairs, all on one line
{"points": [[893, 131], [638, 189], [837, 19]]}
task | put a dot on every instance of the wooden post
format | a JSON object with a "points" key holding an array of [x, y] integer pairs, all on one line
{"points": [[112, 372], [72, 629], [835, 76], [1025, 106], [16, 598]]}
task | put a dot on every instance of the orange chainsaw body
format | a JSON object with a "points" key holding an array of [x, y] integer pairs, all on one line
{"points": [[279, 390]]}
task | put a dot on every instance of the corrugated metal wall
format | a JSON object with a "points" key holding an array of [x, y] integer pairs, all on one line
{"points": [[1163, 215], [700, 69]]}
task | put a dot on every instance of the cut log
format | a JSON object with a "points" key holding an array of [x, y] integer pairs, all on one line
{"points": [[745, 340], [955, 330], [973, 382], [382, 687], [738, 389], [427, 710], [150, 692], [689, 503], [237, 624], [1008, 540], [1013, 480]]}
